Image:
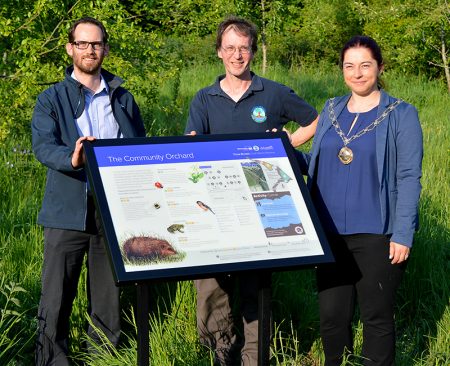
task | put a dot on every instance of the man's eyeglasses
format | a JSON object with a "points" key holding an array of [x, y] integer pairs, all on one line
{"points": [[230, 50], [83, 45]]}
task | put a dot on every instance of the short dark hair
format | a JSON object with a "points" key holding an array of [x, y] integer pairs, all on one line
{"points": [[372, 46], [366, 42], [87, 20], [241, 26]]}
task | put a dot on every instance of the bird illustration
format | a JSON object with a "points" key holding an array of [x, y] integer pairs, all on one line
{"points": [[204, 206], [265, 163], [283, 177]]}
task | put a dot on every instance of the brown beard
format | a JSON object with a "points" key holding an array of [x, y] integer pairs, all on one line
{"points": [[92, 70]]}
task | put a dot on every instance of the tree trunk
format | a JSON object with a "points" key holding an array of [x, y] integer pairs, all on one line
{"points": [[263, 36], [444, 60], [264, 57]]}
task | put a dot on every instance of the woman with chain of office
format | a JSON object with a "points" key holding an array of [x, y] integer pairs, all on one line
{"points": [[364, 173]]}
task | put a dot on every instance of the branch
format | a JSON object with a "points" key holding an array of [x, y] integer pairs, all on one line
{"points": [[49, 83], [448, 11], [435, 64], [24, 25], [50, 37], [433, 47], [48, 50], [14, 77]]}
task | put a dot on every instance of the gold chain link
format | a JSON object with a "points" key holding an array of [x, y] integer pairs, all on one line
{"points": [[370, 127]]}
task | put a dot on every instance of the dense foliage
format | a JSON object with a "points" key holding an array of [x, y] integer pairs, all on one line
{"points": [[157, 46], [152, 40]]}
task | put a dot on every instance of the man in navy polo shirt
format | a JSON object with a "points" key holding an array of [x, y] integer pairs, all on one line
{"points": [[240, 102]]}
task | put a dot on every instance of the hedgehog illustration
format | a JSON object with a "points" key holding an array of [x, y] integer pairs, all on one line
{"points": [[149, 248]]}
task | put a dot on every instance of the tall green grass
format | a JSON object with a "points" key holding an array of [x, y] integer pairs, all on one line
{"points": [[423, 312]]}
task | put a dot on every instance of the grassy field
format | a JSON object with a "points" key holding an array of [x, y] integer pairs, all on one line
{"points": [[423, 314]]}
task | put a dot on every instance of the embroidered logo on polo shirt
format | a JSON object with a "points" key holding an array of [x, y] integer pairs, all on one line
{"points": [[259, 114]]}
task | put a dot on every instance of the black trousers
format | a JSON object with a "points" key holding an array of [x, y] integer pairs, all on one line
{"points": [[362, 273], [64, 253]]}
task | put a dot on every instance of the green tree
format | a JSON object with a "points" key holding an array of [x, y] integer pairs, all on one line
{"points": [[324, 28], [436, 35], [33, 34], [413, 35]]}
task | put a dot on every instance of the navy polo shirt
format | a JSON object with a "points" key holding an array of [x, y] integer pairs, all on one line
{"points": [[265, 105]]}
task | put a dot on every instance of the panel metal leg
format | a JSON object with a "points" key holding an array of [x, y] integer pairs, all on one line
{"points": [[264, 316], [143, 328]]}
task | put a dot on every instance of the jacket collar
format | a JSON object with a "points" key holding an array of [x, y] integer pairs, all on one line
{"points": [[76, 94], [381, 133], [341, 102], [385, 101], [112, 80]]}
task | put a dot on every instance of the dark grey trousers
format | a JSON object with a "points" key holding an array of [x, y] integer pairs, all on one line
{"points": [[64, 253], [215, 319]]}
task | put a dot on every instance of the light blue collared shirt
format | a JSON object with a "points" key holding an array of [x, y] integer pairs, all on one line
{"points": [[97, 119]]}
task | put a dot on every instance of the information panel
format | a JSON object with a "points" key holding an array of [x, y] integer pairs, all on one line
{"points": [[193, 206]]}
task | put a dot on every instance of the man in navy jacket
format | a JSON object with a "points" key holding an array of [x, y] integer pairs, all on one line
{"points": [[88, 104]]}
